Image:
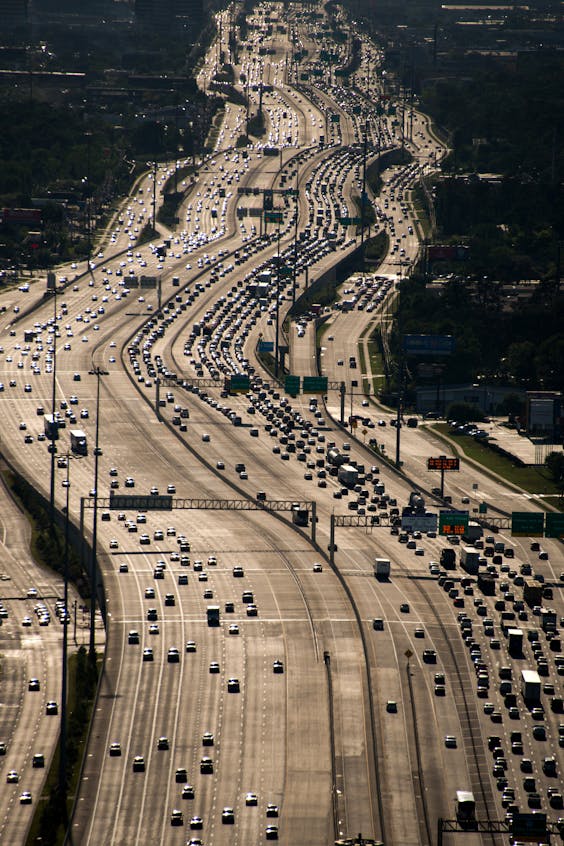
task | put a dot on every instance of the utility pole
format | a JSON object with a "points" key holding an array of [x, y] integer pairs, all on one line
{"points": [[154, 194], [276, 341], [176, 140], [363, 195], [400, 387], [295, 268], [64, 720], [88, 136], [98, 372], [54, 424]]}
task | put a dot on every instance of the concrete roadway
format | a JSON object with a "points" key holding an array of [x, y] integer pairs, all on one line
{"points": [[264, 742]]}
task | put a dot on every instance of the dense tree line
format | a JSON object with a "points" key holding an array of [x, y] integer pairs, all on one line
{"points": [[523, 346], [506, 122], [504, 119]]}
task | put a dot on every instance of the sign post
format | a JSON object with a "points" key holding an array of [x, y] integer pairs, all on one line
{"points": [[527, 524], [442, 463], [314, 384], [125, 502], [292, 385], [453, 523], [554, 525]]}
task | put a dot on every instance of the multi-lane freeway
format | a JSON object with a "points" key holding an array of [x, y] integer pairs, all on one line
{"points": [[325, 702]]}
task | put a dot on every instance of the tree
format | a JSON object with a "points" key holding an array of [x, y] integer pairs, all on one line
{"points": [[521, 362], [512, 404], [464, 412], [550, 362], [555, 464]]}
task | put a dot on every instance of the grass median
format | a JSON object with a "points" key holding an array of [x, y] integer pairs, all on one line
{"points": [[533, 479]]}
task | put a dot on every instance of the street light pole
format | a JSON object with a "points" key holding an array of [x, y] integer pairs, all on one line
{"points": [[54, 427], [276, 341], [63, 735], [154, 195], [363, 195], [295, 268], [88, 136], [98, 372]]}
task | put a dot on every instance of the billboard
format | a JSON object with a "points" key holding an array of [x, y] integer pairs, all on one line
{"points": [[22, 217], [527, 524], [426, 522], [448, 252], [541, 413], [428, 344], [443, 462], [453, 523], [314, 384], [152, 502]]}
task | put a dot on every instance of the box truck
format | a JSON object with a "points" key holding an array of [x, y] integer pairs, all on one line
{"points": [[382, 567], [469, 559]]}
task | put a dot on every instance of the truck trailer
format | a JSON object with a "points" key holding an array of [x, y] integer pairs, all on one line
{"points": [[530, 686], [532, 592], [473, 532], [515, 642], [347, 475], [486, 583], [79, 444], [448, 558], [382, 568], [336, 458], [51, 427], [469, 559], [465, 808], [213, 615]]}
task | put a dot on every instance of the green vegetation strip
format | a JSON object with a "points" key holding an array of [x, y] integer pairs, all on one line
{"points": [[531, 479], [48, 548], [376, 364], [269, 363], [52, 812], [421, 211], [362, 362]]}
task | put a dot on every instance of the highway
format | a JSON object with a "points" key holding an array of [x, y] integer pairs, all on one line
{"points": [[297, 713]]}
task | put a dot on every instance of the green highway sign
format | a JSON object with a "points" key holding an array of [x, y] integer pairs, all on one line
{"points": [[124, 502], [238, 382], [527, 524], [273, 217], [349, 221], [531, 828], [453, 522], [314, 384], [483, 508], [554, 525], [292, 385], [285, 271], [335, 118]]}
